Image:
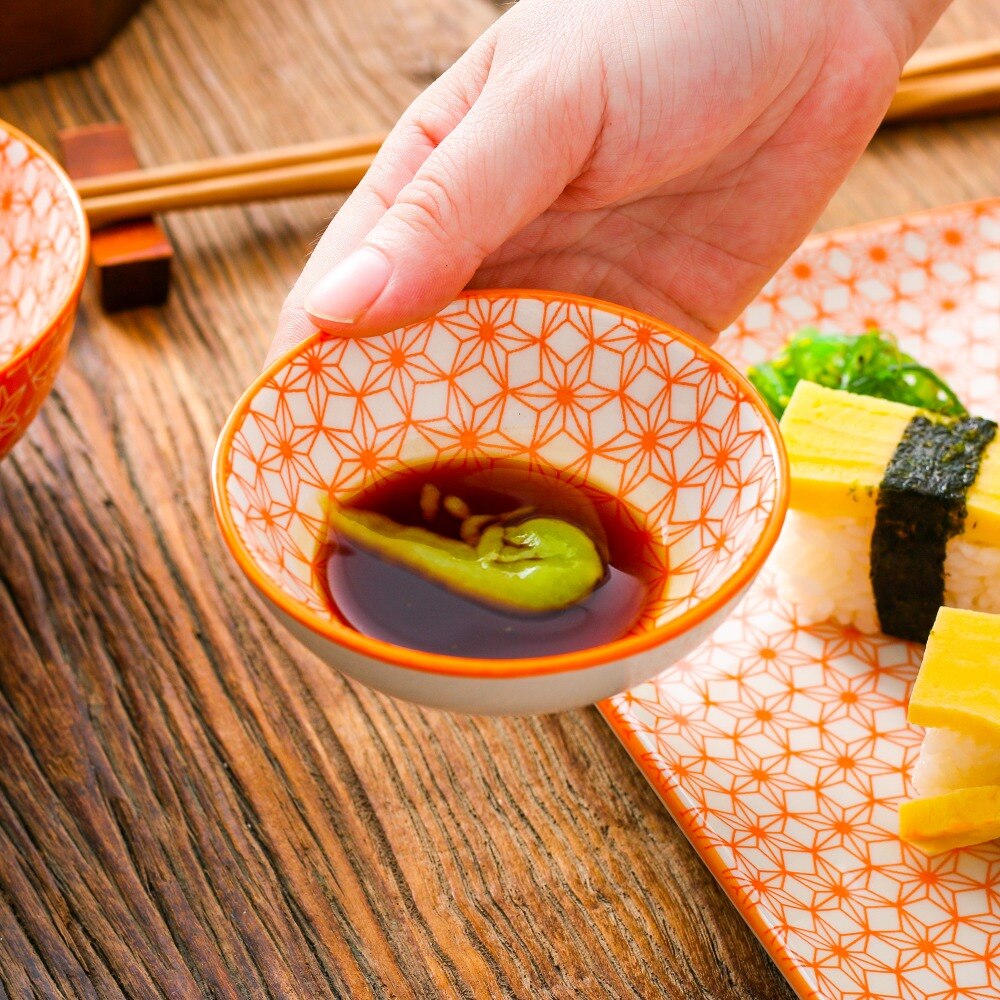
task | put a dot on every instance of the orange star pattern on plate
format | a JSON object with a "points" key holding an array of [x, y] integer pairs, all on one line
{"points": [[781, 746]]}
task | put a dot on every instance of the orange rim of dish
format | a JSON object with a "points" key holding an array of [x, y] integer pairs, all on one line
{"points": [[83, 227], [485, 669]]}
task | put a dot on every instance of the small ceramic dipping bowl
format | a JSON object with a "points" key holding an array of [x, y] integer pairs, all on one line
{"points": [[44, 247], [603, 394]]}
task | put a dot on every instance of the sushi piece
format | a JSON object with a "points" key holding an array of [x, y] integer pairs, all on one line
{"points": [[893, 512], [957, 698]]}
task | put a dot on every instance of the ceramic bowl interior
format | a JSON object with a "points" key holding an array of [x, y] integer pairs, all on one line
{"points": [[41, 242], [44, 248], [605, 395]]}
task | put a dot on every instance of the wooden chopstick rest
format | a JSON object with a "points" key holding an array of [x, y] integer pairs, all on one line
{"points": [[131, 258]]}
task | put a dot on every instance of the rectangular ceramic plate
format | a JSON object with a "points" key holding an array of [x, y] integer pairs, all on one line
{"points": [[781, 746]]}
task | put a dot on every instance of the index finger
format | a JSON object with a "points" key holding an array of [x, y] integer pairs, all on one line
{"points": [[421, 128]]}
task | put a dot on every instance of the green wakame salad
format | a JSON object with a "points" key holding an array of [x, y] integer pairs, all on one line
{"points": [[869, 364]]}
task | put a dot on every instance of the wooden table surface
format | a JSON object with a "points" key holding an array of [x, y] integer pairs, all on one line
{"points": [[190, 804]]}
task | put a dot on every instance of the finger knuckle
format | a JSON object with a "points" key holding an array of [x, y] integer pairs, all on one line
{"points": [[429, 207]]}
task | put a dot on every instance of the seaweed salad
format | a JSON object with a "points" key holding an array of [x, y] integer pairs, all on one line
{"points": [[868, 364]]}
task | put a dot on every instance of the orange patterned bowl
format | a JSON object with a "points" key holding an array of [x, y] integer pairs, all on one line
{"points": [[602, 393], [44, 247]]}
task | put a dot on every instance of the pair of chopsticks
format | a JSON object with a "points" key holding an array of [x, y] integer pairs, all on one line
{"points": [[283, 172], [953, 79]]}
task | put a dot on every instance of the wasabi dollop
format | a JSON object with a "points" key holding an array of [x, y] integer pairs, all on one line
{"points": [[536, 565]]}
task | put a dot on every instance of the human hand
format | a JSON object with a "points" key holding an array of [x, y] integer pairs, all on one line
{"points": [[667, 155]]}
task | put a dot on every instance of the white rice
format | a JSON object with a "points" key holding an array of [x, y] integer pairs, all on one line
{"points": [[822, 567], [950, 760]]}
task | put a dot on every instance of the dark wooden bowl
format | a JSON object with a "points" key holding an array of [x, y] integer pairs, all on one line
{"points": [[43, 34]]}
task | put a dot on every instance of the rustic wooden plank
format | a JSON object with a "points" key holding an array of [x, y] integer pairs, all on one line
{"points": [[192, 806]]}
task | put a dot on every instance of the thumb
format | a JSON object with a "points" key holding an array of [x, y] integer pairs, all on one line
{"points": [[502, 165]]}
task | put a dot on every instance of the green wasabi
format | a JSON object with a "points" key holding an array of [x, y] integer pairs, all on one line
{"points": [[537, 565]]}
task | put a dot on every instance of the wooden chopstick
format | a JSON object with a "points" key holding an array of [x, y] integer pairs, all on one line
{"points": [[260, 185], [228, 166], [953, 79], [979, 54], [941, 94]]}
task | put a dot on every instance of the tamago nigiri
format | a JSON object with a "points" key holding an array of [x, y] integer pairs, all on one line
{"points": [[894, 512]]}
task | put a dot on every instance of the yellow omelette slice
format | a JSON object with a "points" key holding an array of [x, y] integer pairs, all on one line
{"points": [[957, 697], [961, 818], [958, 686], [839, 445]]}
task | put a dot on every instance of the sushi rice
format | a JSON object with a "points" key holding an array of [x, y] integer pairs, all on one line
{"points": [[823, 564], [950, 760]]}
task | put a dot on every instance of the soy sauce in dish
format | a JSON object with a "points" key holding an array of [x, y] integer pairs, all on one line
{"points": [[463, 510]]}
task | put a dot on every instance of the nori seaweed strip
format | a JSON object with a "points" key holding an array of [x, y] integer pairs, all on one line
{"points": [[921, 504]]}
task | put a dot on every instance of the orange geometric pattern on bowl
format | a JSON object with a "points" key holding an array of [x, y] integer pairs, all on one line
{"points": [[43, 252], [601, 394], [781, 745]]}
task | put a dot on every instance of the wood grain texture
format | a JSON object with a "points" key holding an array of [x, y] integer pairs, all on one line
{"points": [[192, 806]]}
